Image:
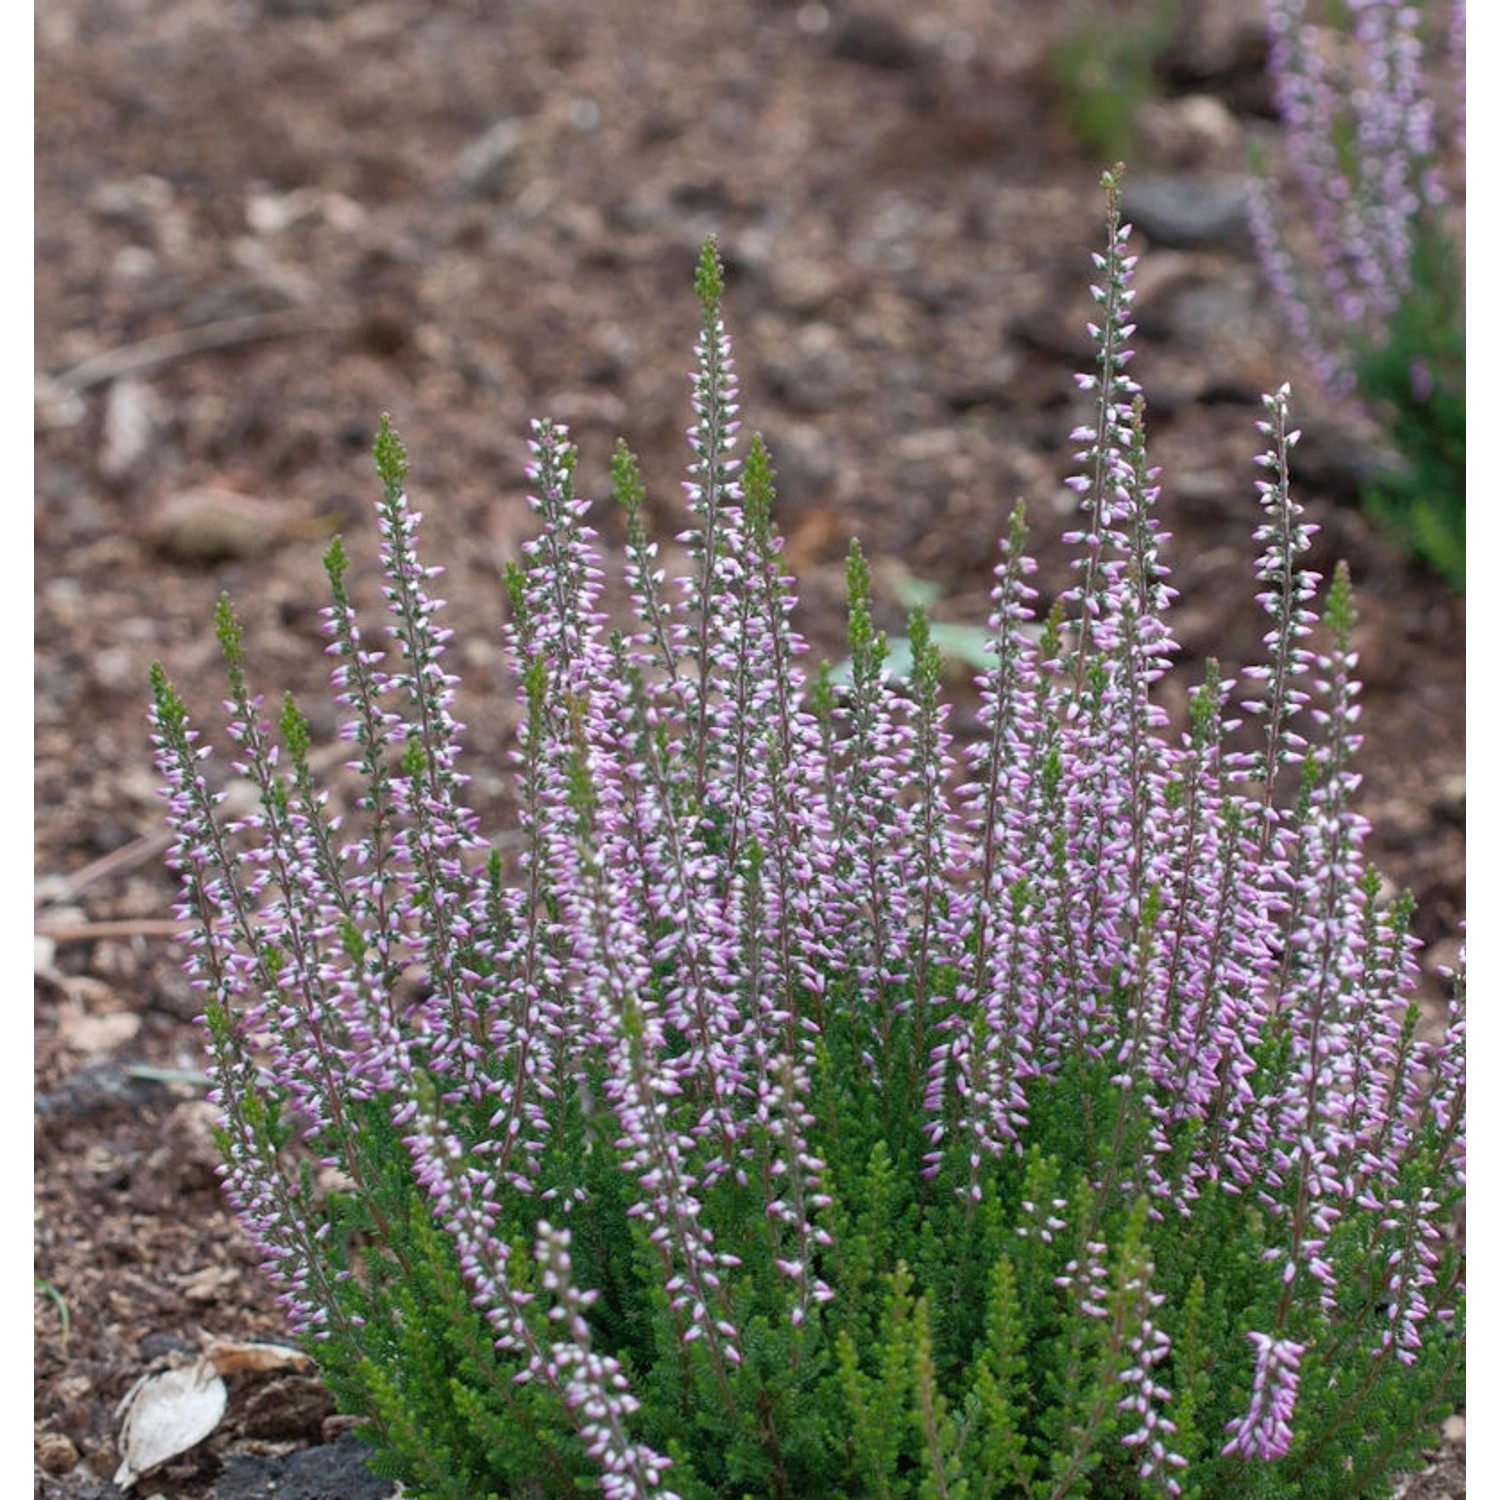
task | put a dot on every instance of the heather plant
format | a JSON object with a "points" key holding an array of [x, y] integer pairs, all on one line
{"points": [[1373, 286], [815, 1107]]}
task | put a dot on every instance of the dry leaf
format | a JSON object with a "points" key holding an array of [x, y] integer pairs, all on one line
{"points": [[167, 1414], [232, 1357]]}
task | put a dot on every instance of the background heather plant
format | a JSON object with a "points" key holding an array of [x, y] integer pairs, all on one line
{"points": [[816, 1108], [1373, 285]]}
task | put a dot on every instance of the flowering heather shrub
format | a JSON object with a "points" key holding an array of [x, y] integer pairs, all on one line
{"points": [[1378, 305], [815, 1109]]}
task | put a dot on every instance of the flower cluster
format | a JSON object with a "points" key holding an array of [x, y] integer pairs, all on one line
{"points": [[1363, 253], [1265, 1431], [819, 1106], [1362, 138]]}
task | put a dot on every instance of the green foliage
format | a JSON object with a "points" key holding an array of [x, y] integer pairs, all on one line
{"points": [[44, 1288], [1415, 382], [1104, 70], [964, 648]]}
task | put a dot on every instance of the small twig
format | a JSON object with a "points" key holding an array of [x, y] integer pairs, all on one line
{"points": [[131, 359], [63, 889], [124, 927]]}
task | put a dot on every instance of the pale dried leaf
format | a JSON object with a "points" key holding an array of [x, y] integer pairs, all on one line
{"points": [[166, 1415]]}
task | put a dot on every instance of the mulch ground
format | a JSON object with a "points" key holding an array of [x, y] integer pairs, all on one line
{"points": [[261, 224]]}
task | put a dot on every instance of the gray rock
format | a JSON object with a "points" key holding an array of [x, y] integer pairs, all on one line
{"points": [[90, 1090], [1188, 211], [331, 1471]]}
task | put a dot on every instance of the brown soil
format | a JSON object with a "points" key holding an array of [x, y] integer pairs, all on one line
{"points": [[469, 214]]}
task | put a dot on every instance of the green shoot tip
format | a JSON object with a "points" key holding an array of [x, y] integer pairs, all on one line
{"points": [[709, 282], [390, 457]]}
